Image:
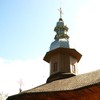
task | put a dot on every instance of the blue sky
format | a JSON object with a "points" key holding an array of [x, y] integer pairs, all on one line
{"points": [[26, 32], [26, 26]]}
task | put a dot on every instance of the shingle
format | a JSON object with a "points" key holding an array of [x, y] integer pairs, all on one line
{"points": [[73, 83]]}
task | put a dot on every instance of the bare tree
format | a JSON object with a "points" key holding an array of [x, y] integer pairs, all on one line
{"points": [[3, 96], [20, 84]]}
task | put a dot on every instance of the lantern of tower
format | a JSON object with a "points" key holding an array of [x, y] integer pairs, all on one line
{"points": [[63, 59]]}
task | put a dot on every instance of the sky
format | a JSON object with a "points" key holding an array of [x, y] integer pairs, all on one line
{"points": [[26, 32]]}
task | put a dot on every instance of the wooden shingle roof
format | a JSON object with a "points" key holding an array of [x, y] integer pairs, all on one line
{"points": [[73, 83], [66, 89]]}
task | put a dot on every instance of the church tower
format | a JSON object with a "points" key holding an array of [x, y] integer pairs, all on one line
{"points": [[63, 59]]}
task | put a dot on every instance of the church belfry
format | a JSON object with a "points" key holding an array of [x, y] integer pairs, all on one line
{"points": [[63, 59]]}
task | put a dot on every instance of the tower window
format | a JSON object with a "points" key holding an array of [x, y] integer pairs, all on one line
{"points": [[73, 68], [55, 67]]}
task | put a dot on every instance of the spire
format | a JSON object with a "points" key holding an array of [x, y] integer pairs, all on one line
{"points": [[60, 28], [63, 59]]}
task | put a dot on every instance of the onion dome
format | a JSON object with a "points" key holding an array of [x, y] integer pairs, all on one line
{"points": [[61, 30], [61, 37]]}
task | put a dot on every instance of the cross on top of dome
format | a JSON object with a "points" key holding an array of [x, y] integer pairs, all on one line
{"points": [[60, 28], [60, 10]]}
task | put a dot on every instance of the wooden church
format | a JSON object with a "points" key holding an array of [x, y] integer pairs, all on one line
{"points": [[63, 82]]}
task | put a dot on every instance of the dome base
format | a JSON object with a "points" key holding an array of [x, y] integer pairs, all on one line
{"points": [[60, 75]]}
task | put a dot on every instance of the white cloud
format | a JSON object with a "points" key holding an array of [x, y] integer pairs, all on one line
{"points": [[87, 36], [2, 60], [33, 72]]}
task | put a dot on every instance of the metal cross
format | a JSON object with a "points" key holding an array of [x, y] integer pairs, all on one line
{"points": [[60, 10]]}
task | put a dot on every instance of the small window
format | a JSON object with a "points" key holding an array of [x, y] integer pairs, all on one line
{"points": [[73, 68], [55, 67]]}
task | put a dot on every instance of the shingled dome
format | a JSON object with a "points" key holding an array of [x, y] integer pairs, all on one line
{"points": [[63, 43]]}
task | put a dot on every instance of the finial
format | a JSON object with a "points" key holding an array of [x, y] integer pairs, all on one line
{"points": [[60, 10]]}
